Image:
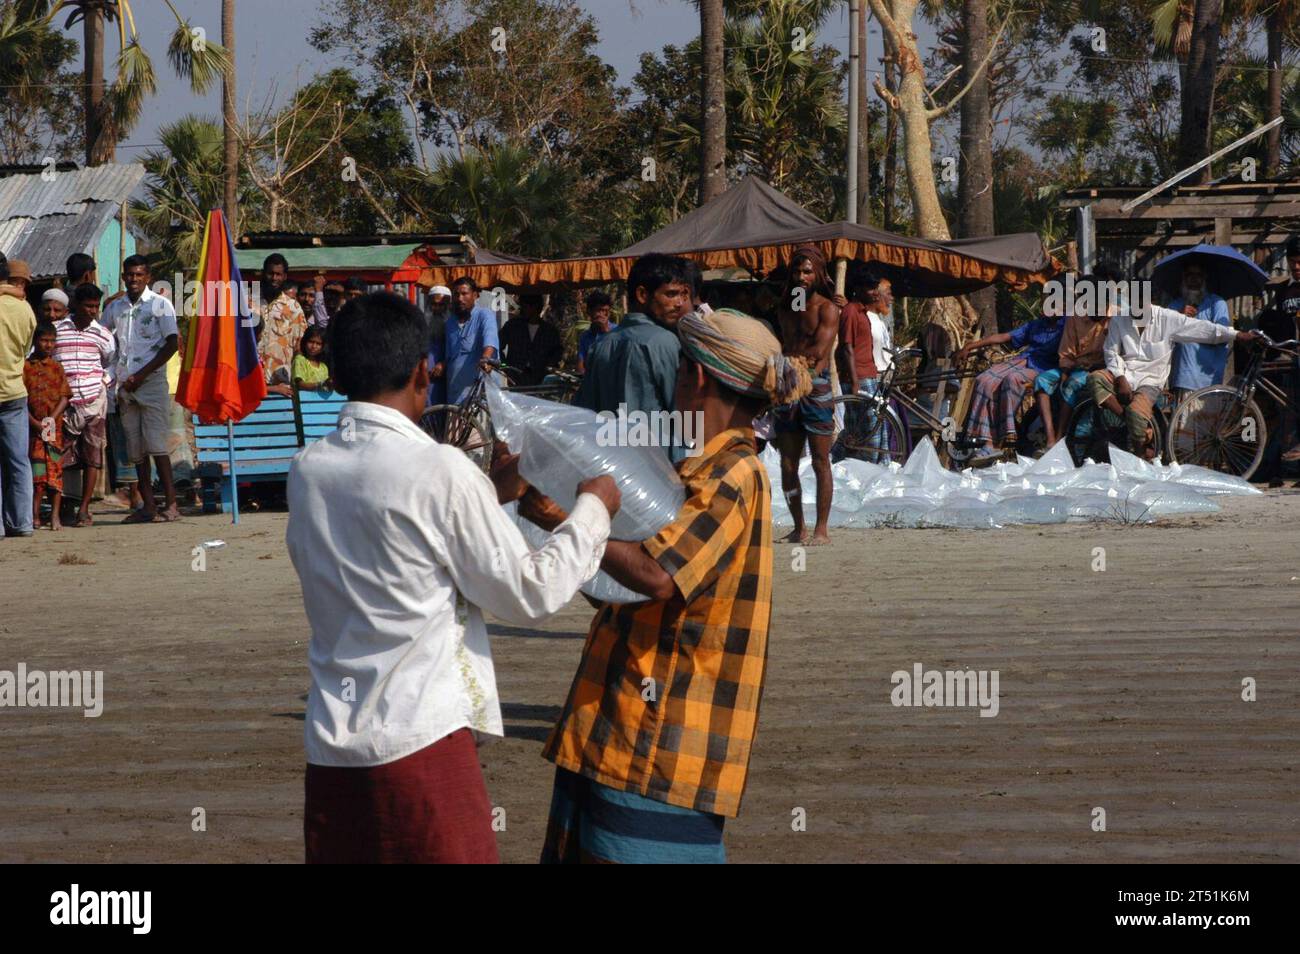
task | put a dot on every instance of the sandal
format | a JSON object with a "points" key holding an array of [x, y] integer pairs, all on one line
{"points": [[140, 516]]}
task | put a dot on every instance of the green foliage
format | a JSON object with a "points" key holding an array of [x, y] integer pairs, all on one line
{"points": [[506, 200], [39, 111], [184, 181]]}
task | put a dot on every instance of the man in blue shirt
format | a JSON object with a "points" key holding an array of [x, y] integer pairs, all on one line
{"points": [[599, 306], [1000, 390], [469, 339], [1198, 365], [636, 365]]}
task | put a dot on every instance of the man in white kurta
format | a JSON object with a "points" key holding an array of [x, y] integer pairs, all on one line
{"points": [[1138, 353], [401, 544]]}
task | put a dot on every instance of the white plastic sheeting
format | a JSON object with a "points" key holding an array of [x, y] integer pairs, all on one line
{"points": [[922, 493]]}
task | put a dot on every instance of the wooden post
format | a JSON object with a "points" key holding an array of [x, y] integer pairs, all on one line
{"points": [[841, 274]]}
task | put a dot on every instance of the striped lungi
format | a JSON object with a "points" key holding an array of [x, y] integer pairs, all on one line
{"points": [[592, 823], [998, 394]]}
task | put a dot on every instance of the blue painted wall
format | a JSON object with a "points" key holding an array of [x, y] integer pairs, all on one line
{"points": [[108, 256]]}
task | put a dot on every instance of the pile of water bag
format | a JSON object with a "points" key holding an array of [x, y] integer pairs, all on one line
{"points": [[923, 493], [559, 446]]}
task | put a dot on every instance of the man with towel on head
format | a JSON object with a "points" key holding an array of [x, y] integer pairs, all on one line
{"points": [[652, 748], [809, 320]]}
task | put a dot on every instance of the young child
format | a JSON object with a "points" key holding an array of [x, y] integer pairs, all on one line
{"points": [[48, 394], [310, 373]]}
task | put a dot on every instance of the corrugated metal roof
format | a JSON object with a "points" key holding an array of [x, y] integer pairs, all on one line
{"points": [[43, 222]]}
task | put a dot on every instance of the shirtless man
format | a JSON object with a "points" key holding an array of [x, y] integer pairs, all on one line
{"points": [[809, 320]]}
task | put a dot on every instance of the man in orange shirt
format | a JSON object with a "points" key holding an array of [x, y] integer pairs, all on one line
{"points": [[652, 749]]}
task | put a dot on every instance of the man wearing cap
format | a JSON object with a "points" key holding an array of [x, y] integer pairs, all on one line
{"points": [[20, 277], [439, 302], [17, 323], [653, 745], [54, 305]]}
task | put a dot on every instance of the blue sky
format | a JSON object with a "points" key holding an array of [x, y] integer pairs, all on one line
{"points": [[272, 50]]}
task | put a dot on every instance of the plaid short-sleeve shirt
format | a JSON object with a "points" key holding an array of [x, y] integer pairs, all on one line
{"points": [[665, 702]]}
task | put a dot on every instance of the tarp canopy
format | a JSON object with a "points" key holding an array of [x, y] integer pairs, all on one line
{"points": [[755, 227]]}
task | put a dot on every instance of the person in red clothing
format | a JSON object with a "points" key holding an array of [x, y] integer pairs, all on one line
{"points": [[48, 394]]}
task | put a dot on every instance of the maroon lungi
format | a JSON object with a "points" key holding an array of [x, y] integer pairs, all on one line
{"points": [[430, 807]]}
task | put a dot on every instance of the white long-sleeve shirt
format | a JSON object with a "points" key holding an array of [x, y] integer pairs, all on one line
{"points": [[399, 544], [881, 338], [1143, 349]]}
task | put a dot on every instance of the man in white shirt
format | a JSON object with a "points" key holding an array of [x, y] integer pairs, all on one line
{"points": [[1138, 354], [144, 324], [400, 544]]}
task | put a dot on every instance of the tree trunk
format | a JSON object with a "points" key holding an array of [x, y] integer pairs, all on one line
{"points": [[891, 150], [713, 132], [1273, 143], [948, 327], [1195, 123], [864, 123], [230, 162], [918, 147], [100, 147], [975, 181]]}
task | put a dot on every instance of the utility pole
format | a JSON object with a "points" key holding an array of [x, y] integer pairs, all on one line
{"points": [[855, 54]]}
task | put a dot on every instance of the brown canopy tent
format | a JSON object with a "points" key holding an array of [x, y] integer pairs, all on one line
{"points": [[755, 227]]}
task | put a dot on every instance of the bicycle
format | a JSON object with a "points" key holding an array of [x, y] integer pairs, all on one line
{"points": [[557, 385], [1088, 437], [878, 427], [1222, 426], [467, 425]]}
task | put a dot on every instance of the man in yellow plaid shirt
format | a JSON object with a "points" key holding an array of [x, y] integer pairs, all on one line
{"points": [[653, 746]]}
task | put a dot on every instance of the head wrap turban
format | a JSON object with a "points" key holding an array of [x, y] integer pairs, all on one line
{"points": [[741, 353]]}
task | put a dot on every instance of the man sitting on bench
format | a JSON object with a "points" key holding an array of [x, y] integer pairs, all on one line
{"points": [[1138, 353]]}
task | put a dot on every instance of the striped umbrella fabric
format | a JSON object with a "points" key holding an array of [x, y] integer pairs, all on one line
{"points": [[221, 377]]}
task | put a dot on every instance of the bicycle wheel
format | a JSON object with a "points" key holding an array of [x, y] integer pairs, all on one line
{"points": [[1085, 433], [872, 431], [458, 426], [1219, 428]]}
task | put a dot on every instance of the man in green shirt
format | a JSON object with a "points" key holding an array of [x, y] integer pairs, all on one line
{"points": [[635, 365], [17, 322]]}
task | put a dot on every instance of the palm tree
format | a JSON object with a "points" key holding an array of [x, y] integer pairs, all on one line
{"points": [[184, 180], [783, 97], [713, 100], [112, 111], [506, 199]]}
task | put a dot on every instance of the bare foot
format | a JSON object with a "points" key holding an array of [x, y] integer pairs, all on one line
{"points": [[795, 536], [820, 539], [171, 514], [56, 523], [84, 520]]}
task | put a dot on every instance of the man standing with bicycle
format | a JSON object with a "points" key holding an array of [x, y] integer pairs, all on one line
{"points": [[469, 341]]}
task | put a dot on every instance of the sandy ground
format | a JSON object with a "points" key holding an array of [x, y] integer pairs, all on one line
{"points": [[1119, 689]]}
